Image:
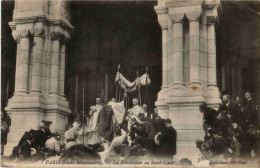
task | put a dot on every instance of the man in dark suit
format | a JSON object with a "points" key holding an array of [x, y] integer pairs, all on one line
{"points": [[43, 134], [249, 112], [26, 147], [167, 143], [233, 111], [149, 132]]}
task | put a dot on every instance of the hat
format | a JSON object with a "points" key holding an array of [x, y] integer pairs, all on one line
{"points": [[47, 123]]}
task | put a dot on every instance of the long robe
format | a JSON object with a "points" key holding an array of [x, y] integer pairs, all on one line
{"points": [[105, 123], [92, 136]]}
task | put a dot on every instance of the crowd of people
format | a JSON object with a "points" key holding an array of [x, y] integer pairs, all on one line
{"points": [[230, 131], [110, 134]]}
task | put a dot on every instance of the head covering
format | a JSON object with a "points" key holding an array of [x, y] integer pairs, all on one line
{"points": [[47, 123]]}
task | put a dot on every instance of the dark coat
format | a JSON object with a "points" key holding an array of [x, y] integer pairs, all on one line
{"points": [[24, 138], [234, 110], [105, 123], [25, 149], [250, 112], [210, 116], [149, 130], [167, 146], [41, 137], [159, 126]]}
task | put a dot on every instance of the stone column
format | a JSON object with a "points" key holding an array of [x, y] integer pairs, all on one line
{"points": [[212, 90], [178, 51], [54, 90], [170, 54], [18, 62], [212, 78], [164, 57], [37, 61], [24, 64], [62, 69], [161, 102], [194, 48]]}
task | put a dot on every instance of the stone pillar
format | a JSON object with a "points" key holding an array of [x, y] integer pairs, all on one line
{"points": [[24, 64], [164, 57], [37, 61], [54, 90], [178, 51], [170, 54], [212, 90], [34, 27], [194, 49], [18, 62], [62, 69], [212, 78], [161, 102]]}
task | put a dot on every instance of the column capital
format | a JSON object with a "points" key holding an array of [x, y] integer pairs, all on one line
{"points": [[211, 19], [177, 17], [55, 35], [211, 4], [193, 16], [24, 33], [16, 36], [163, 21], [38, 32]]}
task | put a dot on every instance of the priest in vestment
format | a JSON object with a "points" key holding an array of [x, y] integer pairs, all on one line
{"points": [[92, 134], [134, 112]]}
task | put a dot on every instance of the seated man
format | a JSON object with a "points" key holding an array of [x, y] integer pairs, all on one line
{"points": [[134, 112]]}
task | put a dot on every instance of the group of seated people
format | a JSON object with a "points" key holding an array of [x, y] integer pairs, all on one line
{"points": [[147, 135], [230, 132]]}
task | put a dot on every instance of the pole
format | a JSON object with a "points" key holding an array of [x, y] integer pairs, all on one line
{"points": [[138, 86], [83, 108]]}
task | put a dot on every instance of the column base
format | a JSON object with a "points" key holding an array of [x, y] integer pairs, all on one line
{"points": [[26, 112], [195, 89], [161, 103], [213, 97], [57, 111], [188, 122]]}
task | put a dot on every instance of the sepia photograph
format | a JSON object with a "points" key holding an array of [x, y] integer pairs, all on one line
{"points": [[130, 83]]}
